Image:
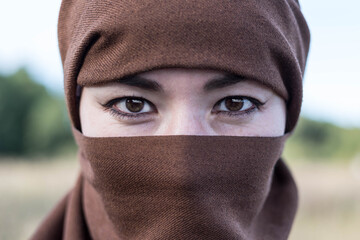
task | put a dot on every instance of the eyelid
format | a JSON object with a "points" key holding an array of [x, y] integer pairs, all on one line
{"points": [[116, 100], [109, 106], [255, 101], [242, 114]]}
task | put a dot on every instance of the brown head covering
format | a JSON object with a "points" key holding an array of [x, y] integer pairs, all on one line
{"points": [[262, 40], [180, 187]]}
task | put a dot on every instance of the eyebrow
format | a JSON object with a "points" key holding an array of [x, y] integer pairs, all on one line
{"points": [[141, 82], [223, 81], [150, 85]]}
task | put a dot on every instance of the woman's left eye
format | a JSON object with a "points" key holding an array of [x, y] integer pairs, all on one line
{"points": [[236, 105]]}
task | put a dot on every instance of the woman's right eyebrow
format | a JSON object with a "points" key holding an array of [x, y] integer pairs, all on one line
{"points": [[141, 82]]}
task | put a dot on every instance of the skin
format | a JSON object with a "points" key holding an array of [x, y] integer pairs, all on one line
{"points": [[174, 102]]}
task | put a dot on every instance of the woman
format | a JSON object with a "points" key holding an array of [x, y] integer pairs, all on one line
{"points": [[180, 110]]}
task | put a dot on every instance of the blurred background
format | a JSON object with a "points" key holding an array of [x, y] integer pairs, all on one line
{"points": [[38, 156]]}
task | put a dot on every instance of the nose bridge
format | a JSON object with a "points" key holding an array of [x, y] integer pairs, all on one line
{"points": [[184, 120]]}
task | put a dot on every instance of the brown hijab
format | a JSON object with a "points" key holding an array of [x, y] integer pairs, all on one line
{"points": [[180, 187]]}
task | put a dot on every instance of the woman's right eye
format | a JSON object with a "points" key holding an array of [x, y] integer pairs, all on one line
{"points": [[133, 105], [130, 106]]}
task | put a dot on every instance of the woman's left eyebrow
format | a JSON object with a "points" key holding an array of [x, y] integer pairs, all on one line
{"points": [[223, 81]]}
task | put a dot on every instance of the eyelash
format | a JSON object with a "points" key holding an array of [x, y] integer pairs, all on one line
{"points": [[109, 106], [256, 106]]}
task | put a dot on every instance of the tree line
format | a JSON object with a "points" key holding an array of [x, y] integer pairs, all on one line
{"points": [[32, 120]]}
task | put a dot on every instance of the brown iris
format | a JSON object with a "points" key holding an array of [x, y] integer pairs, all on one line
{"points": [[234, 104], [134, 105]]}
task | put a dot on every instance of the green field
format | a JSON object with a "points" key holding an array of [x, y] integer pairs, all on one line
{"points": [[329, 197]]}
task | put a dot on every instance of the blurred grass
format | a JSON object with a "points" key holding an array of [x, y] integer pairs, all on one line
{"points": [[329, 206], [329, 196], [28, 190]]}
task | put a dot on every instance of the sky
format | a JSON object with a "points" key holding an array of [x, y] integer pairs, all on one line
{"points": [[332, 78]]}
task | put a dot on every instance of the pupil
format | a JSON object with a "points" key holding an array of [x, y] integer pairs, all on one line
{"points": [[134, 105], [234, 104]]}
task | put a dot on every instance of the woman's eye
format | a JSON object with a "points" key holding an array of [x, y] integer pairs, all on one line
{"points": [[236, 105], [130, 108], [133, 105]]}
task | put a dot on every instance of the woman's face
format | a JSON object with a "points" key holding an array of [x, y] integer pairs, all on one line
{"points": [[179, 101]]}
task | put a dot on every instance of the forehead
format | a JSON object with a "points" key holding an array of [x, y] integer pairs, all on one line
{"points": [[206, 79], [182, 72], [175, 77]]}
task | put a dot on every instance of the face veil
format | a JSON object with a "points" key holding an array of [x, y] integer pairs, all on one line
{"points": [[176, 187]]}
